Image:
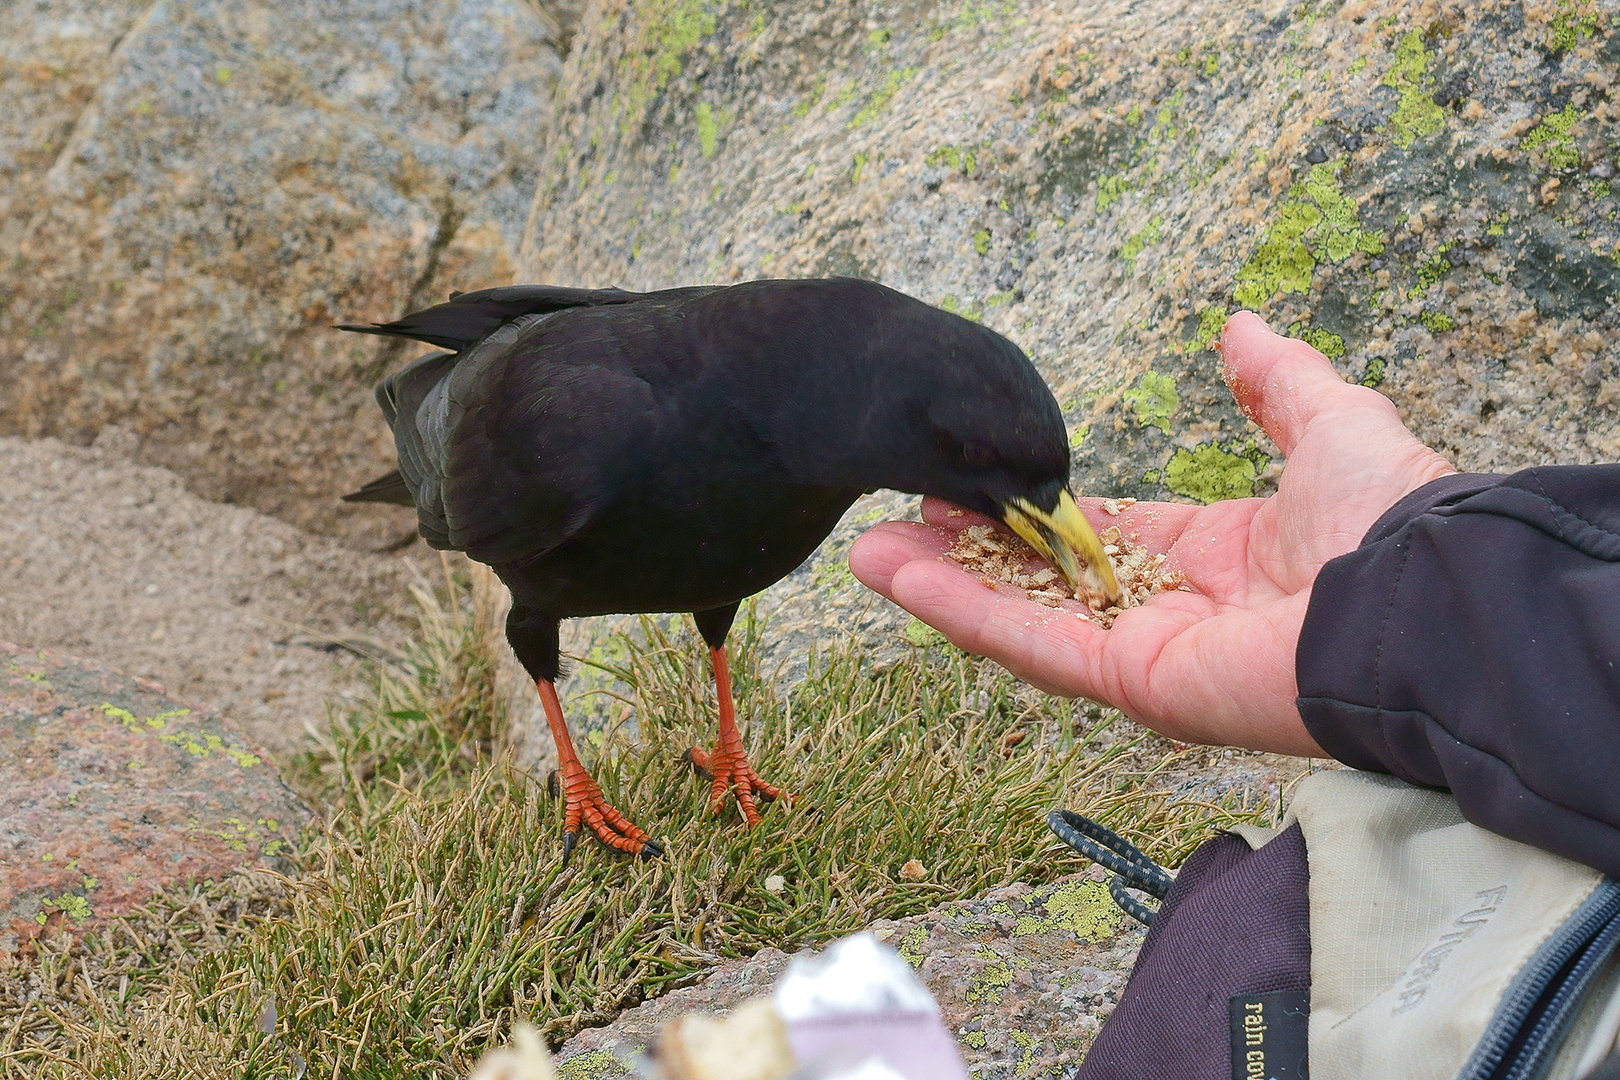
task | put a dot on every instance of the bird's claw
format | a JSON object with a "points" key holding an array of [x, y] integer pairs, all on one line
{"points": [[731, 772], [586, 805]]}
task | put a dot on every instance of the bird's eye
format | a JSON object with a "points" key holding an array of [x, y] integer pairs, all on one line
{"points": [[977, 456]]}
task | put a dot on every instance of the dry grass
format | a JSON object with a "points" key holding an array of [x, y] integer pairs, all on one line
{"points": [[431, 911]]}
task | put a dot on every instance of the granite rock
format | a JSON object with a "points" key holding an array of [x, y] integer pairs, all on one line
{"points": [[1023, 976], [115, 791], [1422, 189], [193, 191]]}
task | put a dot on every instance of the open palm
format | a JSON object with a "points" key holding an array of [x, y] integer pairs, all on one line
{"points": [[1214, 664]]}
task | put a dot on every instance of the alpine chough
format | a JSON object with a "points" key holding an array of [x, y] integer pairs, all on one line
{"points": [[609, 451]]}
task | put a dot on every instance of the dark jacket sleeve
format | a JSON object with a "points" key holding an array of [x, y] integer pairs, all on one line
{"points": [[1471, 643]]}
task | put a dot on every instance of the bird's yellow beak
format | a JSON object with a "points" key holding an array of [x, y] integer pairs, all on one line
{"points": [[1061, 536]]}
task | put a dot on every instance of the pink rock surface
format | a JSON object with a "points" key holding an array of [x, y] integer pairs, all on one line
{"points": [[110, 791]]}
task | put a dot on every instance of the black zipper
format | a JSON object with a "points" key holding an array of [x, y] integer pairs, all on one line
{"points": [[1542, 1001]]}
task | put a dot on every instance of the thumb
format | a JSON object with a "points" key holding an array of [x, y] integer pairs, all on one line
{"points": [[1282, 383]]}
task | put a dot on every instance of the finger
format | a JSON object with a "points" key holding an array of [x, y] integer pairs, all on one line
{"points": [[1053, 650], [1282, 383], [884, 549]]}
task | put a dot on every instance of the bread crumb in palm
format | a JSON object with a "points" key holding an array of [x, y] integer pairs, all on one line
{"points": [[999, 558]]}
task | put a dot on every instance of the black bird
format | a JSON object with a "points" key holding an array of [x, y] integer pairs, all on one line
{"points": [[609, 451]]}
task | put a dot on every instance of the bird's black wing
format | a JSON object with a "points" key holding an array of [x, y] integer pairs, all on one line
{"points": [[467, 317], [547, 430]]}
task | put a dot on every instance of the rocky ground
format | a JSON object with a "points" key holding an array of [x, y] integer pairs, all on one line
{"points": [[1024, 978], [220, 604]]}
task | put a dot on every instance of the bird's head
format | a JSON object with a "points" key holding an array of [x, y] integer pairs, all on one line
{"points": [[993, 440], [952, 409]]}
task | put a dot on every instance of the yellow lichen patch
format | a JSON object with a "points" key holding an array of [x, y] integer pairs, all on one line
{"points": [[992, 981], [1082, 908], [596, 1065], [911, 946], [1417, 114]]}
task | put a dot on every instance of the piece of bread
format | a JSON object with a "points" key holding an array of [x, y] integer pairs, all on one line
{"points": [[750, 1044]]}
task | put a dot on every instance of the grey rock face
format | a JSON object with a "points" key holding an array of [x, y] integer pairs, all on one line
{"points": [[1421, 189], [191, 210]]}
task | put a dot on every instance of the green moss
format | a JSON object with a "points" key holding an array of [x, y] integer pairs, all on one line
{"points": [[981, 242], [1210, 473], [1437, 322], [882, 97], [1154, 400], [1553, 139], [706, 128], [1417, 113], [1316, 222]]}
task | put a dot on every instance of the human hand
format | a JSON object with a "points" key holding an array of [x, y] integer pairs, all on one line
{"points": [[1216, 664]]}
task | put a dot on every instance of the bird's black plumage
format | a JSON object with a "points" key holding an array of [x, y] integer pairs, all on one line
{"points": [[608, 451]]}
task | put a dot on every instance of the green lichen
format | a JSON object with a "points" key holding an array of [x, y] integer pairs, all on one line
{"points": [[1082, 908], [70, 904], [1110, 188], [1210, 473], [881, 98], [1430, 273], [1137, 241], [1078, 436], [1574, 22], [858, 167], [596, 1065], [963, 159], [1211, 321], [974, 1039], [1437, 322], [1326, 342], [923, 636], [1553, 139], [981, 242], [911, 946], [1154, 400], [666, 32], [808, 102], [1316, 222], [707, 130], [1417, 114], [991, 981]]}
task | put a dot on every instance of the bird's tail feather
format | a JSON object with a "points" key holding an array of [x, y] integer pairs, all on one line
{"points": [[384, 489], [466, 317]]}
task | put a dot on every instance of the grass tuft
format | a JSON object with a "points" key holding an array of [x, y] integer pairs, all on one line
{"points": [[430, 910]]}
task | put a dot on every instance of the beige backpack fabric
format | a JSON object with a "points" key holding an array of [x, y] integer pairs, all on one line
{"points": [[1433, 940]]}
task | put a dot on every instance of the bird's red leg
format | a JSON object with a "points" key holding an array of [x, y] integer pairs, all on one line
{"points": [[727, 763], [583, 798]]}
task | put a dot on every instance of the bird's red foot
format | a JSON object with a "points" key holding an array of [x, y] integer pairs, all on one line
{"points": [[584, 802], [728, 770]]}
